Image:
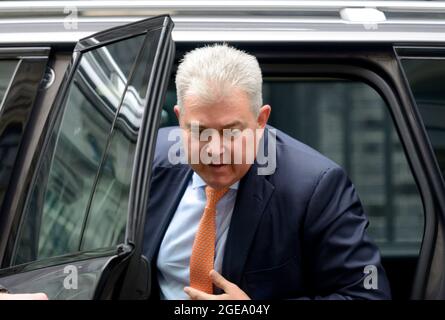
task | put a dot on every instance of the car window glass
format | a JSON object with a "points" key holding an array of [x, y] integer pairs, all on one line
{"points": [[426, 78], [7, 68], [9, 135], [107, 218], [56, 207]]}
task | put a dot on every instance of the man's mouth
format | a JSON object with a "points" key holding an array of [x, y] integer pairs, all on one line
{"points": [[217, 165]]}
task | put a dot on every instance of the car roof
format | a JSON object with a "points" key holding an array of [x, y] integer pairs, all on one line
{"points": [[23, 22]]}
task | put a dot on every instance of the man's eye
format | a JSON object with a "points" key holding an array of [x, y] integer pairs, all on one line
{"points": [[232, 134]]}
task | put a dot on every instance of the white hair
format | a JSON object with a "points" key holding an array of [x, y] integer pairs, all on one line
{"points": [[210, 73]]}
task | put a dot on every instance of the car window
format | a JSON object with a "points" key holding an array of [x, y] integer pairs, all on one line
{"points": [[9, 135], [426, 78], [57, 206], [107, 218], [349, 122], [7, 68]]}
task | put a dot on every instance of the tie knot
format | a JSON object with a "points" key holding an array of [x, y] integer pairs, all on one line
{"points": [[214, 195]]}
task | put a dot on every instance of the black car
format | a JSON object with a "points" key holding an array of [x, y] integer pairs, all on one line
{"points": [[84, 90]]}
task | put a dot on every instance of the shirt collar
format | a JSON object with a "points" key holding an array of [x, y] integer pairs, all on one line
{"points": [[197, 182]]}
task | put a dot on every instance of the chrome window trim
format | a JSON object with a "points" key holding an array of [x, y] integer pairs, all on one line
{"points": [[198, 20]]}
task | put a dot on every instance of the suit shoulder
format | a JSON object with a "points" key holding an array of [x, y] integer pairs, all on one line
{"points": [[299, 168], [168, 139], [292, 153]]}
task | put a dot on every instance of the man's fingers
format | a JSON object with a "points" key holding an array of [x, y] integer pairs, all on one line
{"points": [[40, 296], [23, 296], [196, 294], [219, 281]]}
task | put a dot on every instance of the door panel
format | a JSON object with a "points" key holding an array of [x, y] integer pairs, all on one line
{"points": [[83, 191], [73, 281]]}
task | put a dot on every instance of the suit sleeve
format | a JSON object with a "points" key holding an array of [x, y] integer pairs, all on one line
{"points": [[341, 260]]}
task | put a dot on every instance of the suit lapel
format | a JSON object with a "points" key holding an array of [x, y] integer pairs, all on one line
{"points": [[168, 186], [253, 195]]}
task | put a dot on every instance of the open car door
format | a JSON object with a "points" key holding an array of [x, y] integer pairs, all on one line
{"points": [[76, 232]]}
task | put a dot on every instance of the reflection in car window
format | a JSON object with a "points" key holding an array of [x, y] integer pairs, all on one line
{"points": [[9, 135], [7, 68], [350, 123], [426, 78], [57, 206], [109, 206]]}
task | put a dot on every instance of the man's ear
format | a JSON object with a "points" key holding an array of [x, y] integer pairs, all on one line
{"points": [[263, 115], [177, 111]]}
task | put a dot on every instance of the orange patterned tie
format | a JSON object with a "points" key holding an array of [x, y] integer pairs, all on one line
{"points": [[203, 251]]}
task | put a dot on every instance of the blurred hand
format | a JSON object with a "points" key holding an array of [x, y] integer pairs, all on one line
{"points": [[23, 296], [231, 290]]}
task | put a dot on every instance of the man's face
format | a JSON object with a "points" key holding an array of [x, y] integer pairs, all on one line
{"points": [[225, 128]]}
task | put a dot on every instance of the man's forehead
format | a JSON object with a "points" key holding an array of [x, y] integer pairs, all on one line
{"points": [[216, 96], [202, 125]]}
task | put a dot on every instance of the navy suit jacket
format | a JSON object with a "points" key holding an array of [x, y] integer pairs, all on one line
{"points": [[297, 233]]}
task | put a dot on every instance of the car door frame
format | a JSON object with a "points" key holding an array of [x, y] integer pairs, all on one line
{"points": [[126, 254], [433, 286]]}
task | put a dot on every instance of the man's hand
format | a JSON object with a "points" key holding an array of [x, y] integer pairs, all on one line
{"points": [[231, 290], [23, 296]]}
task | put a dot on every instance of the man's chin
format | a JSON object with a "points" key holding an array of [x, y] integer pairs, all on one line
{"points": [[219, 182], [219, 185], [218, 169]]}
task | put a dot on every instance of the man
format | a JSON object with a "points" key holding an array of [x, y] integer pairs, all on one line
{"points": [[219, 229]]}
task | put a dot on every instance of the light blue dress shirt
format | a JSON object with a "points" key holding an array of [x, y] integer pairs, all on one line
{"points": [[173, 261]]}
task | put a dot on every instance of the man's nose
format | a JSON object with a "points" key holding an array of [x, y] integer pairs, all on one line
{"points": [[215, 147]]}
